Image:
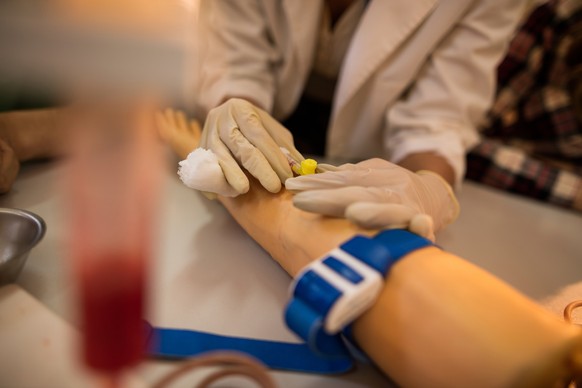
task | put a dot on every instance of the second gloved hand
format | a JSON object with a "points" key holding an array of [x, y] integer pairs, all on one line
{"points": [[238, 132], [379, 194]]}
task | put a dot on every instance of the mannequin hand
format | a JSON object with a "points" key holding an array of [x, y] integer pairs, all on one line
{"points": [[239, 132], [379, 194], [176, 130]]}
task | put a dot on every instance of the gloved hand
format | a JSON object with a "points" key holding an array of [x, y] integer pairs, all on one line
{"points": [[379, 194], [239, 131]]}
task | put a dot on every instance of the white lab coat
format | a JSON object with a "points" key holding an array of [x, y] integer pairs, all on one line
{"points": [[418, 75]]}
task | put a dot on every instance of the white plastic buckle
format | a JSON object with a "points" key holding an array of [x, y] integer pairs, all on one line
{"points": [[355, 298]]}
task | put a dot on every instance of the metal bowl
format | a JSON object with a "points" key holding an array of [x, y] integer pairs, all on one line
{"points": [[20, 231]]}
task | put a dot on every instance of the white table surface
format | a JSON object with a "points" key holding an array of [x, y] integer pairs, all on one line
{"points": [[209, 275]]}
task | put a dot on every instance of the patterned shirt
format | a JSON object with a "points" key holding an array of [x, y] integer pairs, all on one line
{"points": [[532, 138]]}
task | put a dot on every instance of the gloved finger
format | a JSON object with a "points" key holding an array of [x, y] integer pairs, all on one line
{"points": [[325, 180], [334, 202], [374, 163], [253, 129], [390, 216], [232, 172], [423, 225], [374, 215], [250, 157], [280, 134], [324, 167], [205, 130], [346, 176]]}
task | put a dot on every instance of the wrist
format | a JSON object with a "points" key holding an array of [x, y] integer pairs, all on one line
{"points": [[429, 161], [330, 293], [248, 99], [444, 202]]}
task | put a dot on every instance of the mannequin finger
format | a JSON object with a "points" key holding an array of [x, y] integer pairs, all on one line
{"points": [[170, 118], [161, 125], [181, 120], [192, 133], [334, 202], [194, 128]]}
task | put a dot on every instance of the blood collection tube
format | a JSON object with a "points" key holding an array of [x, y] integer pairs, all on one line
{"points": [[111, 194]]}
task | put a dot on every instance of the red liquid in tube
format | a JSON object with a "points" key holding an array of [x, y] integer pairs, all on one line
{"points": [[112, 309]]}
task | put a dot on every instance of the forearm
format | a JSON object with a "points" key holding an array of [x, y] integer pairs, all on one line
{"points": [[429, 161], [294, 238], [248, 98], [33, 134], [390, 328]]}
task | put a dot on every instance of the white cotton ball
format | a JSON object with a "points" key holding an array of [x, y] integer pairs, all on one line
{"points": [[195, 169], [201, 171]]}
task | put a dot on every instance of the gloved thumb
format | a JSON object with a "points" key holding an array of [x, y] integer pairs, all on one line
{"points": [[373, 215]]}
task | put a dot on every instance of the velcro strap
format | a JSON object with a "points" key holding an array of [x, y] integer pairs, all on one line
{"points": [[178, 344]]}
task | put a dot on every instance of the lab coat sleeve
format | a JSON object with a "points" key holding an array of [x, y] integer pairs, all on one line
{"points": [[441, 110], [239, 56]]}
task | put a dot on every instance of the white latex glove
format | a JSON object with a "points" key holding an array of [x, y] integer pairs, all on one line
{"points": [[379, 194], [238, 132]]}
